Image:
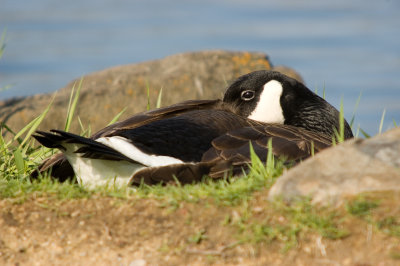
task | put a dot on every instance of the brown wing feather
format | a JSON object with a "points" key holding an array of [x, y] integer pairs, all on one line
{"points": [[143, 118], [186, 173], [61, 168], [231, 152]]}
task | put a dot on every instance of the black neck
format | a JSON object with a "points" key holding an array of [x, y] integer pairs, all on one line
{"points": [[318, 116]]}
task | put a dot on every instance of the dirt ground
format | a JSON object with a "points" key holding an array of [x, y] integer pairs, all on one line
{"points": [[138, 232]]}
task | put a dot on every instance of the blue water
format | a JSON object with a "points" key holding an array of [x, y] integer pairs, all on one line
{"points": [[346, 47]]}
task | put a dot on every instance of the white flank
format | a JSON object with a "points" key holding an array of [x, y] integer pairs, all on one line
{"points": [[269, 109], [97, 172]]}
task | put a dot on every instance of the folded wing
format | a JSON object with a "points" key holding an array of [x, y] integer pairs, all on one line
{"points": [[230, 154]]}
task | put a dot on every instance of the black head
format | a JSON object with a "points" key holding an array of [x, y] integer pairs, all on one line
{"points": [[271, 97]]}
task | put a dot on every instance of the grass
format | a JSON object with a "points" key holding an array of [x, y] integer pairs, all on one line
{"points": [[287, 223], [361, 207], [367, 208], [339, 136]]}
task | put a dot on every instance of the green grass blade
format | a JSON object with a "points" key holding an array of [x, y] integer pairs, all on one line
{"points": [[381, 123], [357, 132], [73, 101], [89, 130], [270, 158], [355, 110], [28, 146], [340, 135], [115, 119], [159, 98], [2, 141], [19, 162], [81, 126], [365, 134], [33, 125], [341, 120], [71, 96], [3, 125], [255, 160], [148, 95], [334, 137], [84, 132], [394, 123]]}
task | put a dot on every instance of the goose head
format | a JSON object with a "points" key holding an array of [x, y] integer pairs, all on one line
{"points": [[272, 97]]}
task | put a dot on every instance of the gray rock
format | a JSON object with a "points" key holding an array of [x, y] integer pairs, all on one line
{"points": [[353, 167], [105, 93]]}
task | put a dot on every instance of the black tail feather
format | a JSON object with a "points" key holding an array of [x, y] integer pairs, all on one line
{"points": [[49, 140], [90, 148]]}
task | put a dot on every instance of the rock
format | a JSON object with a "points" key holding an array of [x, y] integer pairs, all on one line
{"points": [[105, 93], [289, 72], [353, 167]]}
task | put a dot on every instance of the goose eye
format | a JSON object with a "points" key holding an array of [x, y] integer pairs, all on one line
{"points": [[247, 95]]}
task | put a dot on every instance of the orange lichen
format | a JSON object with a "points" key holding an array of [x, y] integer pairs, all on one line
{"points": [[246, 63], [264, 63], [242, 60], [129, 91]]}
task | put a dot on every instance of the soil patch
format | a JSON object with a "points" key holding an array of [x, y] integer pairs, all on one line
{"points": [[110, 231]]}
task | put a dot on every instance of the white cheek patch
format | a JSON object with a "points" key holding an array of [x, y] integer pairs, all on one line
{"points": [[269, 109]]}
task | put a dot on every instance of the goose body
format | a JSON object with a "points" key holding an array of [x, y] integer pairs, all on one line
{"points": [[117, 153], [193, 138]]}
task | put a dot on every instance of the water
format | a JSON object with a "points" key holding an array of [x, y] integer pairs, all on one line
{"points": [[346, 47]]}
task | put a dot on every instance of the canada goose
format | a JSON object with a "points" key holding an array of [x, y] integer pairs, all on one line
{"points": [[193, 138]]}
